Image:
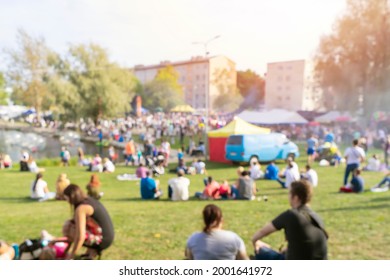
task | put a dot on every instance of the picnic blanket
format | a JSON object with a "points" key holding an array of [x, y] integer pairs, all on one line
{"points": [[127, 177]]}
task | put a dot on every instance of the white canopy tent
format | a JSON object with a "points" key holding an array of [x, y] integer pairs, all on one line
{"points": [[271, 117], [333, 116]]}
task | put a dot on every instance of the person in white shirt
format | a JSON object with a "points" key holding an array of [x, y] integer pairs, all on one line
{"points": [[166, 150], [108, 166], [374, 164], [291, 174], [178, 187], [255, 171], [200, 167], [311, 176], [354, 156], [96, 164], [39, 189], [33, 167]]}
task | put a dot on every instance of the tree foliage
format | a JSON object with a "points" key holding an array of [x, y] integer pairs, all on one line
{"points": [[163, 91], [251, 87], [3, 93], [82, 83], [228, 98], [87, 84], [27, 71], [352, 63]]}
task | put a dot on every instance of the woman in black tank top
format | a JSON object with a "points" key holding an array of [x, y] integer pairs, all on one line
{"points": [[94, 228]]}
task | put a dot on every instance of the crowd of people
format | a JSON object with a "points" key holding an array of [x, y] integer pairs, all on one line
{"points": [[90, 225]]}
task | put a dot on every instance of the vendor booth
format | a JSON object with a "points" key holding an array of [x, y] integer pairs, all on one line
{"points": [[217, 138]]}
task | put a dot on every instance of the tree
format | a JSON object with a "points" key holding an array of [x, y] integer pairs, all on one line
{"points": [[352, 64], [89, 85], [229, 98], [251, 87], [3, 93], [163, 91], [27, 71]]}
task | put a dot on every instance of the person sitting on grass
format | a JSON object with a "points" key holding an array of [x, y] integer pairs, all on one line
{"points": [[272, 171], [255, 170], [93, 187], [61, 184], [39, 189], [108, 166], [224, 190], [182, 165], [200, 167], [6, 161], [96, 164], [356, 185], [24, 161], [383, 186], [304, 229], [211, 190], [239, 171], [290, 174], [215, 243], [150, 188], [246, 188], [374, 164], [311, 175], [178, 187], [141, 171], [33, 167]]}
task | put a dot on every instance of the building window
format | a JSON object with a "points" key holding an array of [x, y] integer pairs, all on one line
{"points": [[287, 78], [279, 98], [279, 88], [280, 67], [280, 78], [287, 88], [287, 97]]}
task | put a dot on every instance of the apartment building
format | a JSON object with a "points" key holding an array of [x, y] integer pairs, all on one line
{"points": [[290, 85], [197, 76]]}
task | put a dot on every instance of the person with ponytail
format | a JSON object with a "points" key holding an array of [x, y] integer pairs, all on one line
{"points": [[214, 243], [93, 224], [39, 189]]}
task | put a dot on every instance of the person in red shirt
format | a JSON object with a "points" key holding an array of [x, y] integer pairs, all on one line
{"points": [[211, 190]]}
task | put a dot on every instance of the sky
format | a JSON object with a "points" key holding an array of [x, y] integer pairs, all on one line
{"points": [[252, 33]]}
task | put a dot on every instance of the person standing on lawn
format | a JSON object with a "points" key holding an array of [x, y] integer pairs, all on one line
{"points": [[354, 156]]}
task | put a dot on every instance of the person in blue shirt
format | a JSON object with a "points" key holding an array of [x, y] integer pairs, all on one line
{"points": [[312, 144], [150, 187], [272, 171], [180, 155], [356, 185]]}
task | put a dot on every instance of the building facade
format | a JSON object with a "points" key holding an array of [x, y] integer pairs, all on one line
{"points": [[290, 85], [197, 76]]}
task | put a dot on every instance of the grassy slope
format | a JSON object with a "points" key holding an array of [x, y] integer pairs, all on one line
{"points": [[358, 224]]}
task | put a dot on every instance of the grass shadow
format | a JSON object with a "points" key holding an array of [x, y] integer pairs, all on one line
{"points": [[19, 199], [382, 198]]}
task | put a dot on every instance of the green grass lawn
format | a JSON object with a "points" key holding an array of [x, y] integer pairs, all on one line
{"points": [[358, 224]]}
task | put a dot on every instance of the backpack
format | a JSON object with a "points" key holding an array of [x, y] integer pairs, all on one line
{"points": [[30, 249]]}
